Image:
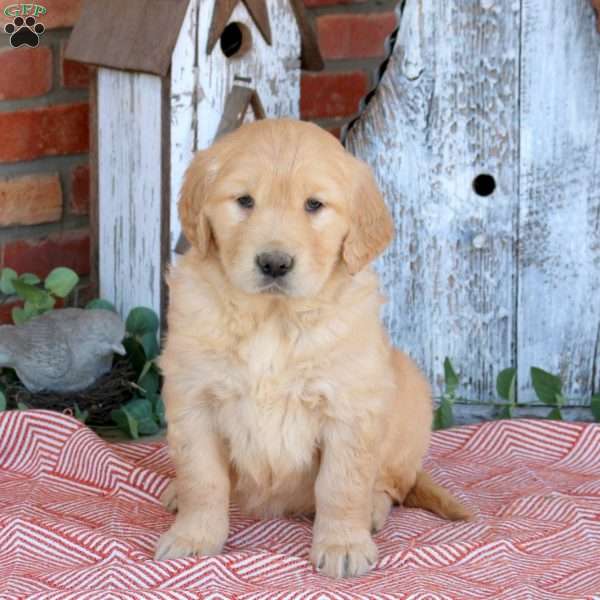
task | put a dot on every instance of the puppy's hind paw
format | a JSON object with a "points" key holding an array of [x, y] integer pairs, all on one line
{"points": [[169, 497], [382, 504]]}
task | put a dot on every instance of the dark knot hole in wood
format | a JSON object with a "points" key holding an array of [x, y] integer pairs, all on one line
{"points": [[484, 184], [236, 40]]}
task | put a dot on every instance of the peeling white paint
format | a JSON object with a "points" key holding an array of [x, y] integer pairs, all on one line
{"points": [[129, 189], [514, 277]]}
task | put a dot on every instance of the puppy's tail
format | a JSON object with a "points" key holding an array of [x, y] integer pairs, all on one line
{"points": [[429, 495]]}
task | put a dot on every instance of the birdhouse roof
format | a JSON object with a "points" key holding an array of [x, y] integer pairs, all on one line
{"points": [[140, 35], [136, 35]]}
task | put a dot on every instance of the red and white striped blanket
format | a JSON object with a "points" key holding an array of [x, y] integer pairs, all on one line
{"points": [[79, 518]]}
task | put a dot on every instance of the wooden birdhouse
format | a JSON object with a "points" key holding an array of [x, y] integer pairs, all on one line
{"points": [[484, 133], [170, 76]]}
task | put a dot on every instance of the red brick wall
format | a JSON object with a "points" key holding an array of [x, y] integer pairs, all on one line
{"points": [[351, 35], [44, 136], [44, 175]]}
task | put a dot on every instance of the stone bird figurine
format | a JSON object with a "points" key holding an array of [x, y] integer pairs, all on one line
{"points": [[63, 350]]}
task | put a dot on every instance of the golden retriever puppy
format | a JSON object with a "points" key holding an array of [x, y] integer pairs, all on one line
{"points": [[282, 390]]}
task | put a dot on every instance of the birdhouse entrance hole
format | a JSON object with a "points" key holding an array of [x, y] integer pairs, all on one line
{"points": [[484, 185], [236, 40]]}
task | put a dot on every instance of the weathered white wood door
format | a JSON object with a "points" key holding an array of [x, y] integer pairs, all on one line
{"points": [[484, 135]]}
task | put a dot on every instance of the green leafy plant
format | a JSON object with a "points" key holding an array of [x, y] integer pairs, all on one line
{"points": [[595, 405], [443, 416], [39, 297], [144, 414], [506, 383], [548, 389]]}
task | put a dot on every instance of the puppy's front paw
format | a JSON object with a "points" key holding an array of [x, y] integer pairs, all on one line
{"points": [[349, 559], [185, 539]]}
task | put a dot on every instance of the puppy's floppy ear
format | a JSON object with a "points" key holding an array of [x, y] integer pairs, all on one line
{"points": [[371, 225], [193, 198]]}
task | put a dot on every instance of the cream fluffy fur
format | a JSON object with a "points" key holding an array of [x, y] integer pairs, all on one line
{"points": [[288, 400]]}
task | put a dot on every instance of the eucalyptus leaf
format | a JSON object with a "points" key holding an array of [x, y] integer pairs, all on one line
{"points": [[79, 414], [150, 344], [450, 377], [7, 276], [158, 407], [142, 320], [44, 304], [22, 406], [135, 354], [126, 422], [546, 385], [2, 401], [443, 416], [555, 414], [20, 315], [505, 384], [142, 411], [61, 281], [596, 407], [29, 278], [149, 381], [149, 364], [506, 411], [100, 303], [30, 293]]}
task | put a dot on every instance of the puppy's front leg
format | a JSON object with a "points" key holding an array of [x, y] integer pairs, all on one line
{"points": [[202, 487], [342, 544]]}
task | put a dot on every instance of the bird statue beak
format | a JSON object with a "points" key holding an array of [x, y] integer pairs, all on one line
{"points": [[119, 349]]}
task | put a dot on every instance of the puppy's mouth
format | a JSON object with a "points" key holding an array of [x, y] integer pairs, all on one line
{"points": [[273, 287]]}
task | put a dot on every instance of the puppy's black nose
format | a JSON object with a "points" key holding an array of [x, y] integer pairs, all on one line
{"points": [[275, 264]]}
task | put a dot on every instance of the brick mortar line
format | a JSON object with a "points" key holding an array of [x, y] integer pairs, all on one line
{"points": [[349, 65], [43, 165], [55, 97], [352, 9], [37, 232]]}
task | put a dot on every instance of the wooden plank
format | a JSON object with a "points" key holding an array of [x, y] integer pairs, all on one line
{"points": [[165, 193], [273, 70], [184, 92], [445, 111], [137, 35], [559, 221], [311, 53], [93, 162], [130, 188], [236, 108]]}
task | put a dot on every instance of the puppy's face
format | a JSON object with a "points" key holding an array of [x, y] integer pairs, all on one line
{"points": [[282, 203]]}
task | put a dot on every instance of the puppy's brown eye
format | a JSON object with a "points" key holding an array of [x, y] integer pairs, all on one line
{"points": [[312, 205], [246, 201]]}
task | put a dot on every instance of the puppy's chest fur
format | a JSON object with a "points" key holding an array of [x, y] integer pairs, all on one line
{"points": [[270, 415]]}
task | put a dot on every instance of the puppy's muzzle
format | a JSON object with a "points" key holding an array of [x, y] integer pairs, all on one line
{"points": [[274, 264]]}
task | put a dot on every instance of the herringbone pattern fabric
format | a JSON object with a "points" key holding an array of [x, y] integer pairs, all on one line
{"points": [[79, 519]]}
